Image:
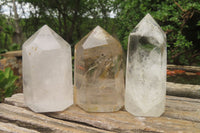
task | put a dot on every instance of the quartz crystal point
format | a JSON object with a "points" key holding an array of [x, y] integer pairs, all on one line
{"points": [[146, 69], [99, 72], [47, 72]]}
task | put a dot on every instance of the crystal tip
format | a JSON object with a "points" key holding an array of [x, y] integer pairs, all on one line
{"points": [[45, 26], [148, 15], [98, 27]]}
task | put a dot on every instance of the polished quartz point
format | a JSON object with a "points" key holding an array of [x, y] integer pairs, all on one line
{"points": [[47, 72], [99, 72], [146, 69]]}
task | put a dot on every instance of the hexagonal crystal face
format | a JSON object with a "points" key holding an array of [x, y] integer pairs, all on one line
{"points": [[47, 72], [146, 69], [99, 73]]}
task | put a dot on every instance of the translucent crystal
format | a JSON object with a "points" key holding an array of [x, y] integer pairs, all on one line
{"points": [[47, 72], [146, 69], [99, 72]]}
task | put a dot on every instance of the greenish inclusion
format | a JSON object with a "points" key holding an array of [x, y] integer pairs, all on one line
{"points": [[147, 46], [144, 44]]}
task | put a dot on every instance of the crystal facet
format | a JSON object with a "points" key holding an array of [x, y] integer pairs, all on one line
{"points": [[146, 69], [47, 72], [99, 72]]}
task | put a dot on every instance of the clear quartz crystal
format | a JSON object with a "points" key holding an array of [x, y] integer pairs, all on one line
{"points": [[47, 72], [146, 69], [99, 72]]}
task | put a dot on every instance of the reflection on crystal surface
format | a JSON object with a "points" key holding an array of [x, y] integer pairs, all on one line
{"points": [[47, 72], [99, 73], [146, 69]]}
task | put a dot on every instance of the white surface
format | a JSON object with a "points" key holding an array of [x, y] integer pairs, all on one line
{"points": [[47, 72]]}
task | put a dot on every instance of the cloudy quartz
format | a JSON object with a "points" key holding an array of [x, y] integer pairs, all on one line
{"points": [[146, 69], [47, 72]]}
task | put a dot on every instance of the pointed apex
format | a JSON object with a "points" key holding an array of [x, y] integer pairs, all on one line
{"points": [[97, 37], [46, 39], [45, 27], [150, 18], [148, 15], [148, 27], [98, 27], [149, 21]]}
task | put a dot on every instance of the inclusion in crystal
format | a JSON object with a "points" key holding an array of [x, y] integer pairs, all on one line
{"points": [[146, 69], [47, 72], [99, 72]]}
